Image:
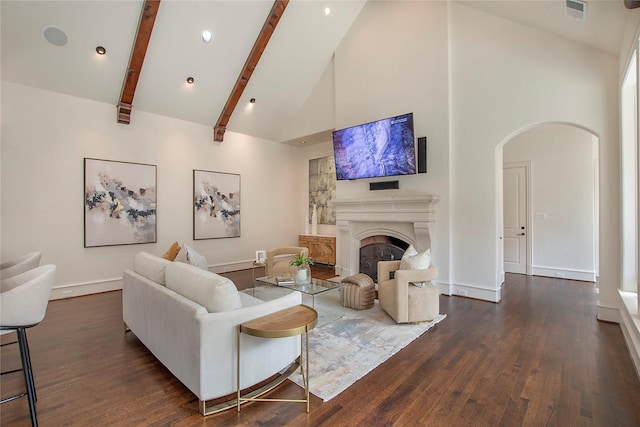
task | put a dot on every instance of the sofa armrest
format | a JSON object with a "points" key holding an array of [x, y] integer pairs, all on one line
{"points": [[385, 268], [393, 299], [260, 357]]}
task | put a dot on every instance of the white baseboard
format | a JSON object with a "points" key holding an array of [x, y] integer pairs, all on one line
{"points": [[71, 290], [470, 291], [608, 314], [86, 288], [563, 273], [342, 272], [630, 325], [231, 266]]}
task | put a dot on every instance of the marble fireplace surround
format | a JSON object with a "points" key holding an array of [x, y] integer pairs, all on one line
{"points": [[403, 217]]}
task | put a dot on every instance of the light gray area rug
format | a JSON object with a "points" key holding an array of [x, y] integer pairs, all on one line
{"points": [[345, 350]]}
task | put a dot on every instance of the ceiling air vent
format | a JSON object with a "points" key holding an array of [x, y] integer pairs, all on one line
{"points": [[576, 9]]}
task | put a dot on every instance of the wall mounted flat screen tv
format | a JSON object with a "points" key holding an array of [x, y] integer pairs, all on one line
{"points": [[376, 149]]}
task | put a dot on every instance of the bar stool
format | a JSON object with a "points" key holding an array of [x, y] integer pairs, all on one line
{"points": [[19, 265], [23, 304]]}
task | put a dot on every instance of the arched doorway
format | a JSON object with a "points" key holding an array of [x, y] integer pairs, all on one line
{"points": [[558, 229]]}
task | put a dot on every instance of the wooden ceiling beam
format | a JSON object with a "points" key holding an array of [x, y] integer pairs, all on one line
{"points": [[259, 46], [145, 27]]}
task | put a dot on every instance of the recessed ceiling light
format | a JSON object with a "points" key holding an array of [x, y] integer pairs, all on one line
{"points": [[190, 80], [56, 36], [303, 142], [252, 100], [101, 50], [327, 10], [206, 36]]}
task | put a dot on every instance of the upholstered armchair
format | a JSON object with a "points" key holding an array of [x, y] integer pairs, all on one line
{"points": [[404, 301], [278, 260]]}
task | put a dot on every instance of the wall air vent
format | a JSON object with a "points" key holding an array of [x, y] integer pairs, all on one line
{"points": [[576, 9]]}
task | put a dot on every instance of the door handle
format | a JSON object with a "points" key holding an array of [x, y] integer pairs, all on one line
{"points": [[521, 234]]}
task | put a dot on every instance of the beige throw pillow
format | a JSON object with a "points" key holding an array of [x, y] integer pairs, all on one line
{"points": [[182, 255]]}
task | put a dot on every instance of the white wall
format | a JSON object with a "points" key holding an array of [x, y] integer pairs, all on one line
{"points": [[394, 61], [506, 77], [562, 198], [46, 135], [317, 114], [471, 79]]}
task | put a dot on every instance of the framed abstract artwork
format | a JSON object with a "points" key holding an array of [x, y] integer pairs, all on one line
{"points": [[119, 203], [216, 205], [322, 189]]}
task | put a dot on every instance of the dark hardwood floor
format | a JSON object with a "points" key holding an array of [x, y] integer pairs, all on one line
{"points": [[539, 358]]}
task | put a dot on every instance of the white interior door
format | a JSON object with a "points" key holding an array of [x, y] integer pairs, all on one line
{"points": [[515, 219]]}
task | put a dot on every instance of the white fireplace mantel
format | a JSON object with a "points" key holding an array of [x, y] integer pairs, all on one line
{"points": [[404, 217]]}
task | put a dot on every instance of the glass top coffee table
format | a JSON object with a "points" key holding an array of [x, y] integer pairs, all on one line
{"points": [[321, 295]]}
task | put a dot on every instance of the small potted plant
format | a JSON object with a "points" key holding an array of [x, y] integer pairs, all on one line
{"points": [[302, 263]]}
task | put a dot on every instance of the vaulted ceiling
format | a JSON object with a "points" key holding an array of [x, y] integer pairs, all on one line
{"points": [[295, 58], [292, 68]]}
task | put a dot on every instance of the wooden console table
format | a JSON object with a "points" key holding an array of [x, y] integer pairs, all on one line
{"points": [[322, 247], [290, 322]]}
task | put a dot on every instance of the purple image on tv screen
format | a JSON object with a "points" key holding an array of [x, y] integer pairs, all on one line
{"points": [[381, 148]]}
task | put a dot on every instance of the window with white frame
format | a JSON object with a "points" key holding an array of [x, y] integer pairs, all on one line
{"points": [[629, 172]]}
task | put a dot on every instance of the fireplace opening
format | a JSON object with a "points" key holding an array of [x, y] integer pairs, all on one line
{"points": [[379, 248]]}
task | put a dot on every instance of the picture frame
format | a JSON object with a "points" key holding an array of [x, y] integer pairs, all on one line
{"points": [[322, 189], [216, 205], [261, 257], [119, 203]]}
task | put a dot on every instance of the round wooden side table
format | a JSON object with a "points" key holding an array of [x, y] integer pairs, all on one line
{"points": [[290, 322]]}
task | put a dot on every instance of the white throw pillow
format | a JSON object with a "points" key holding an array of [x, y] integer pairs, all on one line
{"points": [[196, 259], [150, 266], [210, 290], [188, 255], [412, 260]]}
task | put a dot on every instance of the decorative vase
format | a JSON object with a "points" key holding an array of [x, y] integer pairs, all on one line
{"points": [[303, 275], [314, 220], [306, 224]]}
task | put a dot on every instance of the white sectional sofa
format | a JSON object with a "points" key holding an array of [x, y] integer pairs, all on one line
{"points": [[188, 317]]}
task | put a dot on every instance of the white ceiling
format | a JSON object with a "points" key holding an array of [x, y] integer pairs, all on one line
{"points": [[289, 71], [601, 29]]}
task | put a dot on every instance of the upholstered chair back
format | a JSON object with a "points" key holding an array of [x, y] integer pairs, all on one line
{"points": [[278, 260], [24, 298], [19, 265]]}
